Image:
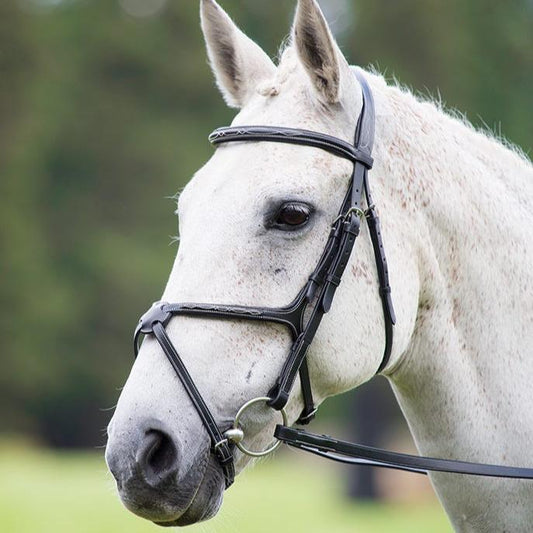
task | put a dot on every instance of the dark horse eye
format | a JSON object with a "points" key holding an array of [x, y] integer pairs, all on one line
{"points": [[292, 215]]}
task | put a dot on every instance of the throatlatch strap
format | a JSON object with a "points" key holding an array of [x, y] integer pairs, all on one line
{"points": [[384, 286]]}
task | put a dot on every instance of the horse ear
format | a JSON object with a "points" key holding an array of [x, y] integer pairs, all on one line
{"points": [[239, 64], [318, 51]]}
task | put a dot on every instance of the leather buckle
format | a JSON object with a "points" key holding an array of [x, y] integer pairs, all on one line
{"points": [[223, 452]]}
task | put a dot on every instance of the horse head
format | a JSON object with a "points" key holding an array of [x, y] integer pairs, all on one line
{"points": [[254, 224]]}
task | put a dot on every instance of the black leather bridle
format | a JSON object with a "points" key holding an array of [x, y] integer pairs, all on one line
{"points": [[304, 314]]}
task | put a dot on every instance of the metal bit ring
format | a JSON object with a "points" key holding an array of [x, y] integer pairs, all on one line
{"points": [[236, 435]]}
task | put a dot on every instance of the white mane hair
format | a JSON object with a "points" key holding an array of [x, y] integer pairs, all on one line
{"points": [[289, 63], [437, 101]]}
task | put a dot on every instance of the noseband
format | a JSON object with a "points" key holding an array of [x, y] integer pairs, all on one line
{"points": [[313, 301]]}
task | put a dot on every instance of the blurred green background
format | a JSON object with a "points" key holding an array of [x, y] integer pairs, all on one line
{"points": [[105, 107]]}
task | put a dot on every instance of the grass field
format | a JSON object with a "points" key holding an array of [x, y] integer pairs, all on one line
{"points": [[46, 492]]}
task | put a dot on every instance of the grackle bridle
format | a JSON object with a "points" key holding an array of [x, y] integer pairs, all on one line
{"points": [[304, 315]]}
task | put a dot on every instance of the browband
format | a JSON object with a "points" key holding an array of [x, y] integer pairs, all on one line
{"points": [[292, 136]]}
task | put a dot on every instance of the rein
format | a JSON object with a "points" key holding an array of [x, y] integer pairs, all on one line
{"points": [[357, 454], [313, 301]]}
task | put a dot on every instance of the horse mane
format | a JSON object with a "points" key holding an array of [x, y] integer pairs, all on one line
{"points": [[434, 103]]}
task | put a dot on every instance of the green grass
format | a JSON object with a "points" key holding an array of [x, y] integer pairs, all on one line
{"points": [[46, 492]]}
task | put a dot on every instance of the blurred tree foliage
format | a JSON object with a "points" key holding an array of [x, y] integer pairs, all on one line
{"points": [[103, 115]]}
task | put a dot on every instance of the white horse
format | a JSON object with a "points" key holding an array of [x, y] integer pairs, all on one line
{"points": [[457, 214]]}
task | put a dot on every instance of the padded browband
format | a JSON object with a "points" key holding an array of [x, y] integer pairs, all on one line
{"points": [[331, 144]]}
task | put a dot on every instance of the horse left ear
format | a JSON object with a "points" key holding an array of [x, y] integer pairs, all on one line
{"points": [[239, 64], [321, 57]]}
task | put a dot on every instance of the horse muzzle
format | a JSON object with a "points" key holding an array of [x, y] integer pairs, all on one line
{"points": [[168, 481]]}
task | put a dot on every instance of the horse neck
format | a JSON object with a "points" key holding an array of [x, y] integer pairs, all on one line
{"points": [[468, 203]]}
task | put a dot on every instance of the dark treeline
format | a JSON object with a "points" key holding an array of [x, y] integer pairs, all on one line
{"points": [[104, 115]]}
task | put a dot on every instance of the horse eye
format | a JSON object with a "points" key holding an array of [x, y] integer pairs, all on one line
{"points": [[292, 215]]}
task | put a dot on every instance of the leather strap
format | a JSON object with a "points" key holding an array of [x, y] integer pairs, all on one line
{"points": [[154, 322], [309, 411], [346, 452], [331, 144], [365, 139]]}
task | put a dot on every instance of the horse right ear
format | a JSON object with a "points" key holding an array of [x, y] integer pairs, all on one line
{"points": [[318, 52], [239, 64]]}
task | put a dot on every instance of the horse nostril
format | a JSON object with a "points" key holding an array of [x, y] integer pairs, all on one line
{"points": [[157, 457]]}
